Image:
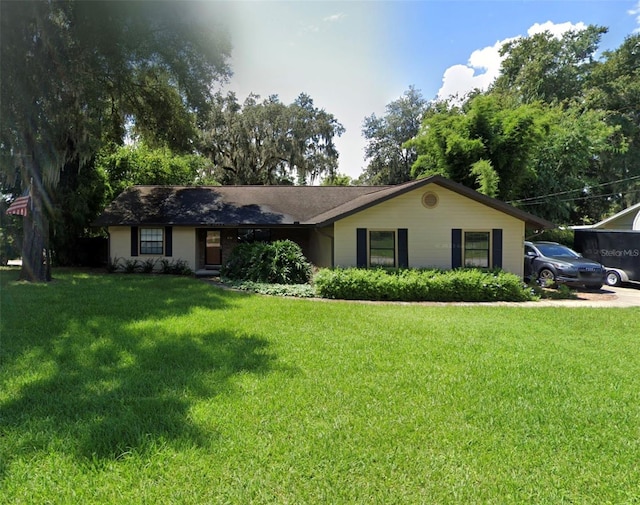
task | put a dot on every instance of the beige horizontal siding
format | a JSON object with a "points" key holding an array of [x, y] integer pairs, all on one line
{"points": [[183, 244], [429, 230]]}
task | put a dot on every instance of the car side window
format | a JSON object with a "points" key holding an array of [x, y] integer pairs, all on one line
{"points": [[528, 251]]}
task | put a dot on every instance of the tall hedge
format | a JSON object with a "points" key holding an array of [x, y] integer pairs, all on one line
{"points": [[461, 285]]}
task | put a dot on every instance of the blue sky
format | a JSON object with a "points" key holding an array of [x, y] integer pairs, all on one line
{"points": [[354, 57]]}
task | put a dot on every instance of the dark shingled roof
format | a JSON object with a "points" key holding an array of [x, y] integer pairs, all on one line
{"points": [[268, 205]]}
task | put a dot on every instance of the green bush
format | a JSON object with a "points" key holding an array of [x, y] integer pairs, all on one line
{"points": [[131, 266], [177, 267], [279, 262], [461, 285], [263, 288], [563, 236]]}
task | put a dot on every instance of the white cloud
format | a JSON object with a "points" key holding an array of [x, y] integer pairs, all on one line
{"points": [[556, 29], [636, 12], [483, 65], [335, 17]]}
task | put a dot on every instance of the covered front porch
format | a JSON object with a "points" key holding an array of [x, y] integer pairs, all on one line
{"points": [[214, 245]]}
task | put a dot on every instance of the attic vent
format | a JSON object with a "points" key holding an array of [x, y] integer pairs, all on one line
{"points": [[430, 200]]}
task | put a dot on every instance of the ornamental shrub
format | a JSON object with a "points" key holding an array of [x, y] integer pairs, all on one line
{"points": [[279, 262], [460, 285]]}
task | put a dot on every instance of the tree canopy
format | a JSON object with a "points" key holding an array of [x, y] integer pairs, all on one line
{"points": [[389, 159], [75, 73], [557, 133], [268, 142]]}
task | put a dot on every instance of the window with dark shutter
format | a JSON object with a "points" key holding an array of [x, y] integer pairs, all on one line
{"points": [[134, 241], [168, 241], [456, 248], [403, 248], [497, 247]]}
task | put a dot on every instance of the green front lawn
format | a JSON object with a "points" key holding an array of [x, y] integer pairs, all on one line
{"points": [[165, 390]]}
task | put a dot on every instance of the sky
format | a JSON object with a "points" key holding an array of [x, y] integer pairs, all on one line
{"points": [[355, 57]]}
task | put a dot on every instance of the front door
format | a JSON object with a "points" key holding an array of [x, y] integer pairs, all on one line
{"points": [[213, 249]]}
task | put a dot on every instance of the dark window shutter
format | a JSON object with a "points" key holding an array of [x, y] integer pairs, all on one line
{"points": [[134, 241], [456, 248], [403, 248], [361, 247], [168, 241], [497, 248]]}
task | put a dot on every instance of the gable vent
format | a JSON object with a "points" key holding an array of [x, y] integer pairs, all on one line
{"points": [[430, 200]]}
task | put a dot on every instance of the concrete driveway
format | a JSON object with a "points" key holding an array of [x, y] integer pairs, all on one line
{"points": [[627, 296]]}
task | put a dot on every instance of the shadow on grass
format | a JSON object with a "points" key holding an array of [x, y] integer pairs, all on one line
{"points": [[100, 366]]}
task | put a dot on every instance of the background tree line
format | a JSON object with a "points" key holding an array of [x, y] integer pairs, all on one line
{"points": [[557, 133], [97, 96]]}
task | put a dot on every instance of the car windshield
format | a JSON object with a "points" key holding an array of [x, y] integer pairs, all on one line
{"points": [[557, 251]]}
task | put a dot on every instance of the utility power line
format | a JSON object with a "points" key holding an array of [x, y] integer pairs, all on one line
{"points": [[560, 193], [587, 197]]}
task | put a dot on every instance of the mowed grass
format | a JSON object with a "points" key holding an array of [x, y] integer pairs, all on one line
{"points": [[165, 390]]}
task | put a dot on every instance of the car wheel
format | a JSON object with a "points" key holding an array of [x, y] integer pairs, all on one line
{"points": [[613, 278], [546, 277]]}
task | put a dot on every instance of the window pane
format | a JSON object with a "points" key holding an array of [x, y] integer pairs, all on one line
{"points": [[476, 249], [382, 258], [476, 259], [151, 240], [477, 240], [382, 239], [382, 248]]}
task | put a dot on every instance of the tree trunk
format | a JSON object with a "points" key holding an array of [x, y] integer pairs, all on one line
{"points": [[36, 267]]}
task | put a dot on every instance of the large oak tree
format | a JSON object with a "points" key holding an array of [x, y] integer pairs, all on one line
{"points": [[264, 141], [73, 70]]}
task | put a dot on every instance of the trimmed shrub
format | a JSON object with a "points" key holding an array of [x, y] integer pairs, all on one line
{"points": [[279, 262], [263, 288], [460, 285]]}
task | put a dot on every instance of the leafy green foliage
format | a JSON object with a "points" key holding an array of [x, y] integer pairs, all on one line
{"points": [[75, 73], [175, 267], [561, 235], [571, 164], [556, 134], [389, 158], [130, 266], [77, 200], [468, 285], [265, 288], [148, 266], [268, 142], [337, 179], [488, 144], [550, 69], [279, 262], [139, 164]]}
